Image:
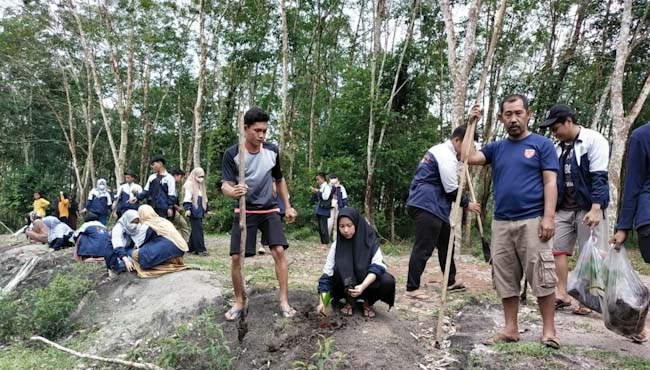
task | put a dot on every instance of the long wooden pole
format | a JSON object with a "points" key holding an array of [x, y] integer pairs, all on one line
{"points": [[468, 141], [472, 197], [243, 327]]}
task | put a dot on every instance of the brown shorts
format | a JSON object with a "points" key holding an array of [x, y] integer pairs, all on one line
{"points": [[517, 250]]}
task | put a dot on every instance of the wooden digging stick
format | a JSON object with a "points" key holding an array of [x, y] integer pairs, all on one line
{"points": [[242, 327], [472, 196], [467, 141]]}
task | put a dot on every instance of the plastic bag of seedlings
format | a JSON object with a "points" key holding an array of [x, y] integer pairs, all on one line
{"points": [[626, 299], [585, 282]]}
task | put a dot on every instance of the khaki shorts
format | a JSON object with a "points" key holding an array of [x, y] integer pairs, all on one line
{"points": [[569, 229], [517, 250]]}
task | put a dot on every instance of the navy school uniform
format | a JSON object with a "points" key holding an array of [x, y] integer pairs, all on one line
{"points": [[124, 194], [157, 250], [160, 193], [93, 240], [197, 241], [99, 204]]}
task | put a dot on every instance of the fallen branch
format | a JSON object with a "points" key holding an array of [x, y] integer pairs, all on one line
{"points": [[22, 274], [136, 365], [6, 227]]}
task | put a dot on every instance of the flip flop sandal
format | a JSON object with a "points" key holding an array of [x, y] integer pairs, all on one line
{"points": [[347, 310], [581, 311], [499, 338], [369, 312], [419, 297], [289, 313], [457, 287], [561, 304], [639, 338], [550, 342], [234, 314]]}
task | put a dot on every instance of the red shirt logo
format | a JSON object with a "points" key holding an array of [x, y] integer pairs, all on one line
{"points": [[529, 153]]}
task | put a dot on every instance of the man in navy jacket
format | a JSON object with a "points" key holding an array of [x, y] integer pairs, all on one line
{"points": [[433, 189], [635, 206], [582, 192]]}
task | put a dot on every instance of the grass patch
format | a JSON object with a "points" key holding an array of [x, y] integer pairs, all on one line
{"points": [[396, 249], [199, 344], [305, 233], [44, 311], [615, 361], [524, 349], [21, 357]]}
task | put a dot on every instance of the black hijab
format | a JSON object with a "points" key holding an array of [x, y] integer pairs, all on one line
{"points": [[353, 256]]}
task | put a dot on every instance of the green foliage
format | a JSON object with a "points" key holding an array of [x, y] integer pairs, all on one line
{"points": [[197, 345], [20, 356], [44, 311], [326, 358]]}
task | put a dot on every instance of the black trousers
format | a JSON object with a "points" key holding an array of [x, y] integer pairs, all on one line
{"points": [[323, 230], [430, 232], [644, 242], [197, 243], [383, 289]]}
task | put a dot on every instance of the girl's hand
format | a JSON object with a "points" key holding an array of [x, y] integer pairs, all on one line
{"points": [[188, 213], [356, 291]]}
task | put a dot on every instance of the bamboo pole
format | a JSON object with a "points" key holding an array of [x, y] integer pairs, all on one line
{"points": [[242, 326], [468, 141], [472, 197]]}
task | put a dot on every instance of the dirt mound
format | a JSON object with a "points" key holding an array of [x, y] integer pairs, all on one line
{"points": [[15, 253], [276, 343], [126, 309]]}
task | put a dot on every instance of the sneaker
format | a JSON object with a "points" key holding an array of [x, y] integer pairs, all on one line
{"points": [[261, 250]]}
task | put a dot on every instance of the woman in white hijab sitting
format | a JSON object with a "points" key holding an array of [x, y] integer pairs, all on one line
{"points": [[158, 248]]}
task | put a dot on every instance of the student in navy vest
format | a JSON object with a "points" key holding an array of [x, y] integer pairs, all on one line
{"points": [[160, 189], [100, 201], [524, 173], [582, 193], [127, 194], [92, 240], [635, 203], [195, 202], [59, 235], [433, 189], [322, 195]]}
